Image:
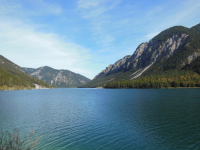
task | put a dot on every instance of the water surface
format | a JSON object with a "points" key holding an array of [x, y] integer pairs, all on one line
{"points": [[105, 118]]}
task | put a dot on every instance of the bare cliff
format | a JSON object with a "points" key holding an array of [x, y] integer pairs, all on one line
{"points": [[57, 78], [174, 49], [147, 54]]}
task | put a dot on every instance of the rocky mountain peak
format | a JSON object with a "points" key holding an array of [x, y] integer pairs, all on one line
{"points": [[147, 53], [57, 78], [114, 67]]}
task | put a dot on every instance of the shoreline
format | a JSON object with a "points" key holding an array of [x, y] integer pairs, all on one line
{"points": [[105, 88], [24, 89], [155, 88]]}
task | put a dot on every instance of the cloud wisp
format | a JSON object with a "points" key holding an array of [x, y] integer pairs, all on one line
{"points": [[85, 4], [85, 36], [23, 44], [97, 13]]}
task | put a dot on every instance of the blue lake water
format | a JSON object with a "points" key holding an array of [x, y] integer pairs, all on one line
{"points": [[105, 118]]}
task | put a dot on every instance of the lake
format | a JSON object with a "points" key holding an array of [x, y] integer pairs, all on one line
{"points": [[105, 118]]}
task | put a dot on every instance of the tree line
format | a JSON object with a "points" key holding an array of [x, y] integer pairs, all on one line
{"points": [[189, 79], [18, 81]]}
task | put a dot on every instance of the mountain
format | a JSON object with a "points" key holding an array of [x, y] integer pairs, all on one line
{"points": [[12, 77], [175, 51], [57, 78]]}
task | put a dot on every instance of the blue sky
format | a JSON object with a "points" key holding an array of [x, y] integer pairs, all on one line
{"points": [[85, 36]]}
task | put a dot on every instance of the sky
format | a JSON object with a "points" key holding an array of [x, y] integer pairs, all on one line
{"points": [[85, 36]]}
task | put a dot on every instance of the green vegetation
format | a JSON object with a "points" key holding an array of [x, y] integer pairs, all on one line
{"points": [[162, 80], [13, 141], [180, 56], [103, 80], [12, 77], [65, 78], [172, 69], [194, 66], [196, 28]]}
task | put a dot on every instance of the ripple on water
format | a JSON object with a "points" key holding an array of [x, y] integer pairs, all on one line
{"points": [[106, 119]]}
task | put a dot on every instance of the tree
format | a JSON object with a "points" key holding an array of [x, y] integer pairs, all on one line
{"points": [[13, 141]]}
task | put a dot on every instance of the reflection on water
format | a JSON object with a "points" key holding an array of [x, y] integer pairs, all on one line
{"points": [[106, 118]]}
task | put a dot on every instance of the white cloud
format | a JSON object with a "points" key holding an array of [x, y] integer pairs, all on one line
{"points": [[155, 11], [184, 15], [190, 10], [28, 48], [110, 28], [107, 40], [151, 35], [85, 4], [169, 16], [93, 13], [46, 7], [38, 7], [97, 13]]}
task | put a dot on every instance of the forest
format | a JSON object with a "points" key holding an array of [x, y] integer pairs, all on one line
{"points": [[183, 79], [174, 64], [12, 77], [18, 81]]}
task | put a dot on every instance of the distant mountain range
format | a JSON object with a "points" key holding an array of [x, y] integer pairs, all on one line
{"points": [[12, 77], [57, 78], [170, 59], [171, 53]]}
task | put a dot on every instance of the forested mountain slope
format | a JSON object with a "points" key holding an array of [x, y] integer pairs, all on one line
{"points": [[175, 51], [57, 78], [13, 77]]}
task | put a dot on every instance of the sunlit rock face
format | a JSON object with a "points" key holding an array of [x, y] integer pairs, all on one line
{"points": [[57, 78], [147, 54], [115, 67]]}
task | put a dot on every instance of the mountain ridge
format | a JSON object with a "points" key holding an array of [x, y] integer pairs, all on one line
{"points": [[57, 78], [172, 48], [12, 77]]}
